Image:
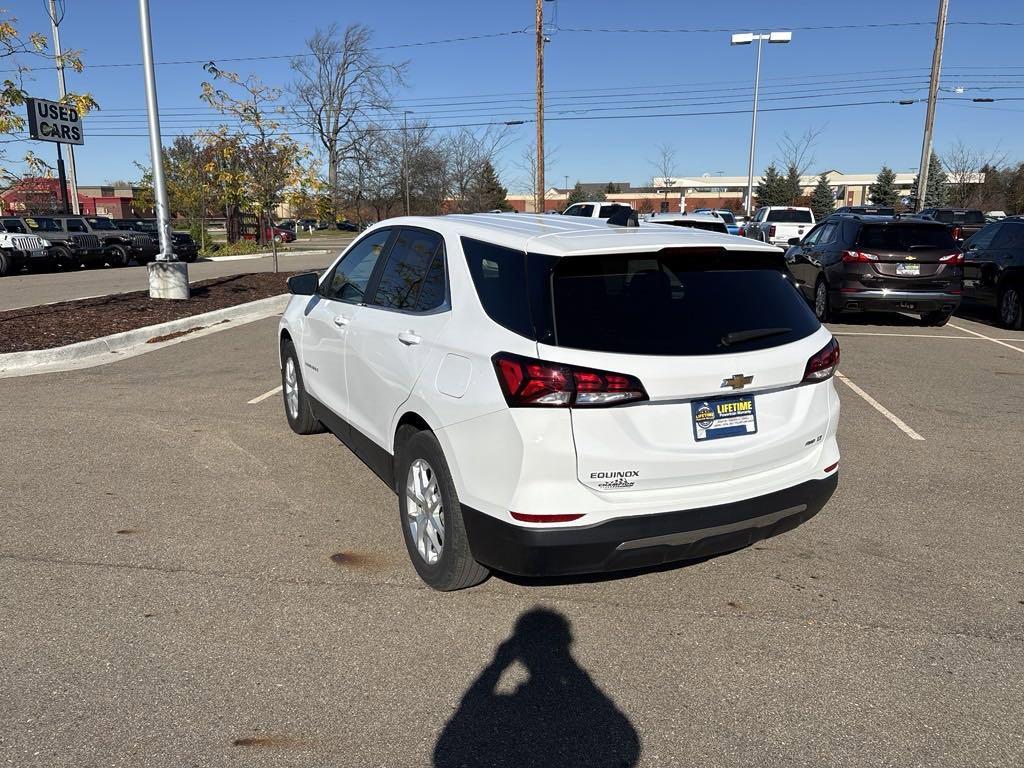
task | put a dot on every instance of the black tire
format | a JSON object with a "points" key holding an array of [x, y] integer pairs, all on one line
{"points": [[822, 303], [454, 567], [61, 257], [300, 417], [5, 263], [117, 256], [1010, 306], [937, 318]]}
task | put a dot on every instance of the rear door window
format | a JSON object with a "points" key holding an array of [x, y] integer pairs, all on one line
{"points": [[902, 237], [983, 239], [409, 270], [1011, 237], [789, 216], [681, 302]]}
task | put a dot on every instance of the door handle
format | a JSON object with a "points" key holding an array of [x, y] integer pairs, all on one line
{"points": [[340, 320], [409, 338]]}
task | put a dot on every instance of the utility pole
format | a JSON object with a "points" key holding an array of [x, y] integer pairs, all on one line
{"points": [[405, 156], [168, 277], [539, 181], [58, 55], [929, 118]]}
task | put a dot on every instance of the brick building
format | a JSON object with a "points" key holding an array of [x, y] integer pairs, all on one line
{"points": [[42, 195]]}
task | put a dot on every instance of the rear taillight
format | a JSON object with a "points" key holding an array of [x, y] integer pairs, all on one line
{"points": [[526, 382], [956, 259], [823, 365], [742, 232], [957, 233], [771, 231], [559, 518], [850, 256]]}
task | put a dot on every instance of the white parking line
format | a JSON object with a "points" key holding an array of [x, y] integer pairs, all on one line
{"points": [[987, 338], [880, 408], [907, 335], [264, 396]]}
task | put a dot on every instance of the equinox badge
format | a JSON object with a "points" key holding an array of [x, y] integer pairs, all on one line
{"points": [[738, 381]]}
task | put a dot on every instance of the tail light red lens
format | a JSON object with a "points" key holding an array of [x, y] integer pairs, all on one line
{"points": [[526, 382], [742, 232], [771, 231], [851, 256], [956, 259], [823, 365], [957, 233]]}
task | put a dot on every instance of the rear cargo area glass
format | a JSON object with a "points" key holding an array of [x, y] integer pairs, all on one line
{"points": [[676, 303], [902, 237]]}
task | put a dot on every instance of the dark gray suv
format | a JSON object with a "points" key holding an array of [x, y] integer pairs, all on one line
{"points": [[855, 263]]}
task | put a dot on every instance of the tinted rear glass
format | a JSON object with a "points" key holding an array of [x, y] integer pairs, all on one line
{"points": [[789, 217], [499, 275], [902, 237], [946, 217], [607, 211], [974, 217], [680, 302]]}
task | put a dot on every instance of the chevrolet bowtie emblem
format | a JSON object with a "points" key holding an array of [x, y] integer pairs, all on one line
{"points": [[738, 381]]}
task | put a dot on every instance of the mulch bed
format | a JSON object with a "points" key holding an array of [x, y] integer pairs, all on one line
{"points": [[68, 322]]}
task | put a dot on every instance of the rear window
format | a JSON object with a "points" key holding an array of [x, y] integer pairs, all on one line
{"points": [[903, 237], [786, 216], [946, 217], [676, 302], [607, 211], [974, 217]]}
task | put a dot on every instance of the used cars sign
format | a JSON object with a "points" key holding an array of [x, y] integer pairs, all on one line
{"points": [[53, 121]]}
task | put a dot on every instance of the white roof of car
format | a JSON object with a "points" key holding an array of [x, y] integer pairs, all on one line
{"points": [[571, 235], [601, 202]]}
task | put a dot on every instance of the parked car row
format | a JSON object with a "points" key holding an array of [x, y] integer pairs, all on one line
{"points": [[72, 242]]}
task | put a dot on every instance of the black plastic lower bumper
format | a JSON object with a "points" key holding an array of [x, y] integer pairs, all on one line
{"points": [[635, 542], [895, 301]]}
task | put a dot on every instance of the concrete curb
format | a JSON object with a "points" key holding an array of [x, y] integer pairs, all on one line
{"points": [[268, 254], [108, 349]]}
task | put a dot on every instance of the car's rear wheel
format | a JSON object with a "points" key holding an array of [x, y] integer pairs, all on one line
{"points": [[937, 318], [431, 517], [296, 403], [1011, 308], [822, 303]]}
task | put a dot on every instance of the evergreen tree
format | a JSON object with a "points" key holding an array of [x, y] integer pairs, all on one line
{"points": [[937, 192], [771, 189], [883, 191], [487, 191], [823, 201], [577, 195], [612, 188], [791, 185]]}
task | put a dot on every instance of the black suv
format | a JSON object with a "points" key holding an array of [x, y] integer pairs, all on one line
{"points": [[853, 263], [962, 222], [868, 210], [182, 243], [994, 269]]}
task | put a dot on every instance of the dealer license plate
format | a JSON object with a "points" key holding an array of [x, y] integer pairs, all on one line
{"points": [[723, 417], [908, 270]]}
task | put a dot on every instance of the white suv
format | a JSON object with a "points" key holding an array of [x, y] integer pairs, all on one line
{"points": [[563, 396]]}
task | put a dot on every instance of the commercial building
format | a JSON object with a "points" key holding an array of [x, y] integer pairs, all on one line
{"points": [[710, 192], [42, 195]]}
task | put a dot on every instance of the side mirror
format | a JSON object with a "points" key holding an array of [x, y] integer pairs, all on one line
{"points": [[305, 284], [794, 241]]}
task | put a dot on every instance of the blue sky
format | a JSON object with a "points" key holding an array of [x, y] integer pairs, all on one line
{"points": [[686, 72]]}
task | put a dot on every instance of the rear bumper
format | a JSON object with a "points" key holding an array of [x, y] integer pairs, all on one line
{"points": [[643, 540], [895, 301]]}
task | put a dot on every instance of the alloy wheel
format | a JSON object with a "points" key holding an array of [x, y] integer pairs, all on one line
{"points": [[425, 511], [1010, 307], [291, 388], [820, 300]]}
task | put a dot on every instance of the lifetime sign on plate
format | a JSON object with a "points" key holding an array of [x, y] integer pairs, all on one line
{"points": [[723, 417], [53, 121]]}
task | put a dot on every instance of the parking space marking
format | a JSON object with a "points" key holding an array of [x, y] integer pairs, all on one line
{"points": [[264, 396], [906, 335], [987, 338], [880, 408]]}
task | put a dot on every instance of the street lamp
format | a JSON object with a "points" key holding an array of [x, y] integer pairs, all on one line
{"points": [[746, 38]]}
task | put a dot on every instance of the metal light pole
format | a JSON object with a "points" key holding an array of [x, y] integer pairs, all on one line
{"points": [[746, 38], [929, 119], [168, 277], [62, 90], [405, 156]]}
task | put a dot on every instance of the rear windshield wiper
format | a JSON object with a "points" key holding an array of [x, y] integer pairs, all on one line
{"points": [[754, 333]]}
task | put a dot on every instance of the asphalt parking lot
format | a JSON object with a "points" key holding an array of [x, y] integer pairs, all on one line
{"points": [[183, 581]]}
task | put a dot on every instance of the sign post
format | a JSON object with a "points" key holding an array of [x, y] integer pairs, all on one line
{"points": [[58, 123]]}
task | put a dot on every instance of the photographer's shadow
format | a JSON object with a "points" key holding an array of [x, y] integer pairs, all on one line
{"points": [[557, 717]]}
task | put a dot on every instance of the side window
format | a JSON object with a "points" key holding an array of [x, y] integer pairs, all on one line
{"points": [[984, 237], [813, 236], [75, 225], [352, 274], [13, 225], [499, 276], [828, 233], [1011, 237], [607, 211], [586, 210], [409, 270], [573, 210]]}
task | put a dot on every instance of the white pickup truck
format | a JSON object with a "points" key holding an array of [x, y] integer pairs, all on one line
{"points": [[776, 224], [596, 210]]}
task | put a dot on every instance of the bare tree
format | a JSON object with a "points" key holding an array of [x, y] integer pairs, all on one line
{"points": [[527, 165], [466, 152], [964, 169], [664, 165], [798, 153], [340, 85]]}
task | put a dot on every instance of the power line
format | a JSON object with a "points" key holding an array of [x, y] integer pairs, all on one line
{"points": [[815, 28]]}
